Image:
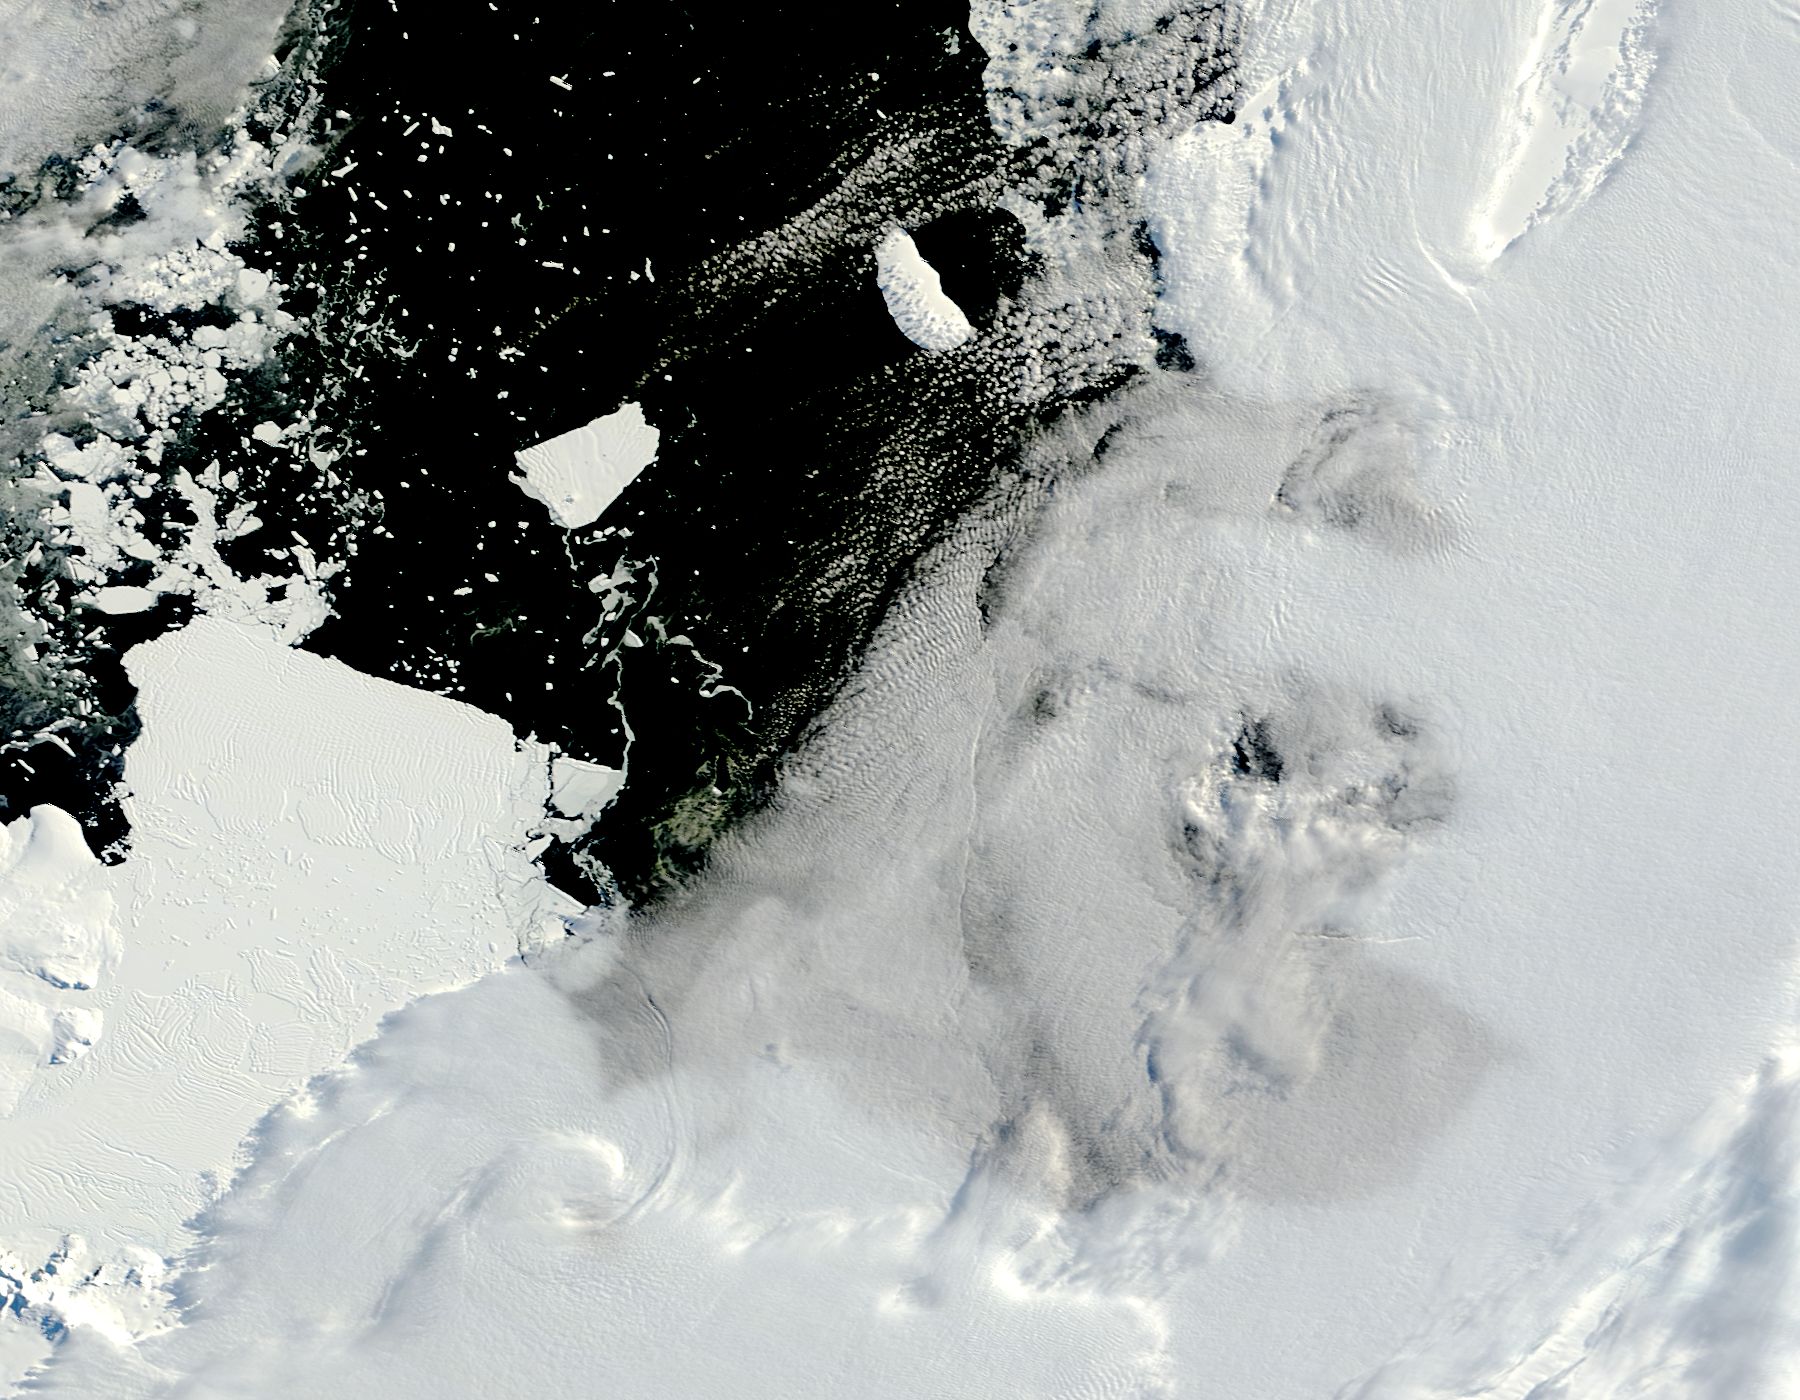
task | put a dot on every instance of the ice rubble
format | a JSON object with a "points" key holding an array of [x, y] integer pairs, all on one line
{"points": [[142, 388]]}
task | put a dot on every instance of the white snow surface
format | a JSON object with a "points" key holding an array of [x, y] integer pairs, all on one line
{"points": [[58, 943], [1035, 1043], [915, 297], [311, 848], [578, 474]]}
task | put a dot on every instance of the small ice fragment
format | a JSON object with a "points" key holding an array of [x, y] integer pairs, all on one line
{"points": [[253, 285]]}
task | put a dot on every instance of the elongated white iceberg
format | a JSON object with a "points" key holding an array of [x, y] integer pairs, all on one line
{"points": [[915, 295]]}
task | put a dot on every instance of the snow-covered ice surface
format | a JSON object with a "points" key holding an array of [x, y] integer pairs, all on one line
{"points": [[914, 294], [1580, 90], [59, 944], [578, 474], [311, 849], [1302, 908]]}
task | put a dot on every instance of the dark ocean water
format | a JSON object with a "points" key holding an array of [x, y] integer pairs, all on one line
{"points": [[527, 216], [684, 133]]}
